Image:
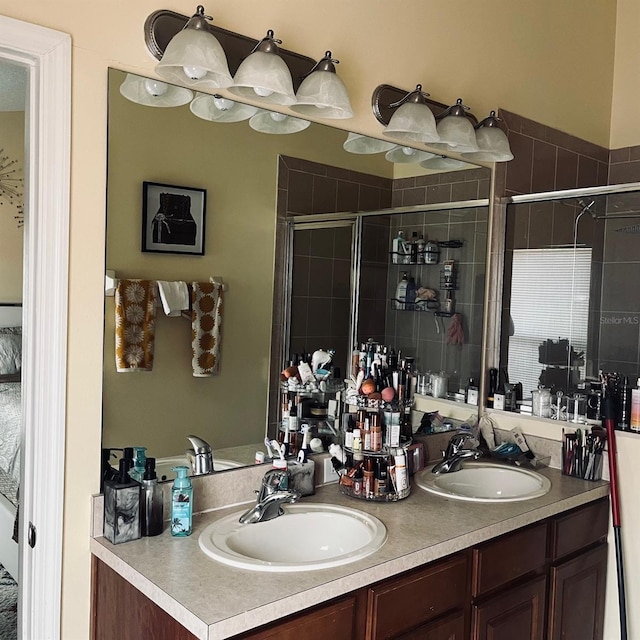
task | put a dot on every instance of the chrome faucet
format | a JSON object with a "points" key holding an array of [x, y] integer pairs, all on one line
{"points": [[455, 454], [200, 457], [273, 493]]}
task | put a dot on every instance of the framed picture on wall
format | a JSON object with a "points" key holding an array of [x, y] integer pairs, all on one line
{"points": [[173, 219]]}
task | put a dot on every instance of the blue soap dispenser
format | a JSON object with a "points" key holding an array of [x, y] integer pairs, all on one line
{"points": [[181, 503]]}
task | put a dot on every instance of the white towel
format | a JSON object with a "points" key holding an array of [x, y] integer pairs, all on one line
{"points": [[174, 296]]}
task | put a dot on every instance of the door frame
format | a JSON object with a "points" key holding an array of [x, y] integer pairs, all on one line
{"points": [[47, 56]]}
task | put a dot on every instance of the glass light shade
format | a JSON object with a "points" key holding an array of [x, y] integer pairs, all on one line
{"points": [[358, 143], [442, 163], [277, 123], [323, 94], [493, 146], [265, 77], [407, 155], [153, 93], [457, 133], [413, 121], [217, 109], [195, 57]]}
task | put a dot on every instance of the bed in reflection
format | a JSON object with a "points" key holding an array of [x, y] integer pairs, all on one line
{"points": [[10, 429]]}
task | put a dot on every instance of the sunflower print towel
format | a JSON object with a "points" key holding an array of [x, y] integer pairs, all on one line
{"points": [[135, 324], [206, 327]]}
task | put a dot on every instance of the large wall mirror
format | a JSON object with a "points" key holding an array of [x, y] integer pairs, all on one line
{"points": [[570, 303], [300, 231]]}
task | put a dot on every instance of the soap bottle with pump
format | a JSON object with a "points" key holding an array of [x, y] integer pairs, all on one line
{"points": [[181, 503], [122, 507], [139, 458], [152, 507]]}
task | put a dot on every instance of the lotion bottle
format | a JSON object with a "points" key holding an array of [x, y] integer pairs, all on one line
{"points": [[401, 291], [181, 503]]}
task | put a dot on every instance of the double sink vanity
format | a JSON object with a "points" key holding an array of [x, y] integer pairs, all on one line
{"points": [[431, 566]]}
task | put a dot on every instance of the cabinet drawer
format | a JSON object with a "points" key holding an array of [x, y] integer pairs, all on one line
{"points": [[448, 628], [509, 557], [579, 528], [335, 621], [404, 603]]}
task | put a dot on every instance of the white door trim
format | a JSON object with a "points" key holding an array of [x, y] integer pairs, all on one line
{"points": [[47, 54]]}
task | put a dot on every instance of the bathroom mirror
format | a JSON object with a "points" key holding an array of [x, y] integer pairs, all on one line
{"points": [[254, 182], [570, 296]]}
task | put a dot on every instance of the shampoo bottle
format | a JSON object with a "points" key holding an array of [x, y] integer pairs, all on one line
{"points": [[152, 509], [397, 248], [181, 503], [401, 291], [122, 507]]}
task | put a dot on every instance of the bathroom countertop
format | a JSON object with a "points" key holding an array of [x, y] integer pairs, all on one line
{"points": [[215, 601]]}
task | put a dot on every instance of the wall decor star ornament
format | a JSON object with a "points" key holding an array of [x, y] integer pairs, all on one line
{"points": [[11, 183]]}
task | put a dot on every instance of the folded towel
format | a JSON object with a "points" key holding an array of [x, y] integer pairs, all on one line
{"points": [[174, 296], [206, 327], [135, 324]]}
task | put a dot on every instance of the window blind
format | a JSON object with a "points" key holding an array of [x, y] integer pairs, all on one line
{"points": [[549, 301]]}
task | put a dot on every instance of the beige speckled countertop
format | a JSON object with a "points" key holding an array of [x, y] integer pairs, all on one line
{"points": [[215, 601]]}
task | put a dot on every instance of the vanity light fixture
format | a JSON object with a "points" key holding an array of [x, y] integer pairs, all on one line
{"points": [[493, 144], [322, 93], [407, 155], [153, 93], [359, 143], [456, 130], [277, 123], [412, 119], [195, 57], [444, 163], [218, 109], [264, 75]]}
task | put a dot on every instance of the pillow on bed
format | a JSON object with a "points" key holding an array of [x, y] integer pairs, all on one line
{"points": [[10, 428], [10, 353]]}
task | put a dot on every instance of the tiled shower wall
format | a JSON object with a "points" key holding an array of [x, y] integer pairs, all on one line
{"points": [[547, 160]]}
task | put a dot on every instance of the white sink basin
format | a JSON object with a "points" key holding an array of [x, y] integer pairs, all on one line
{"points": [[164, 465], [308, 536], [485, 482]]}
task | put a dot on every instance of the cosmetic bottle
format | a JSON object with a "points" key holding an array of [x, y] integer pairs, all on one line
{"points": [[381, 480], [624, 405], [410, 294], [366, 435], [376, 432], [152, 508], [420, 249], [634, 422], [402, 478], [122, 507], [181, 503], [397, 248], [431, 252], [413, 247], [368, 477]]}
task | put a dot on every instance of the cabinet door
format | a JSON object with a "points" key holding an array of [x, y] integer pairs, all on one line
{"points": [[517, 613], [576, 601], [448, 628]]}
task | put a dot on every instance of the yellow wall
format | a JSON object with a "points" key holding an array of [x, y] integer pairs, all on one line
{"points": [[11, 236], [550, 61], [625, 130]]}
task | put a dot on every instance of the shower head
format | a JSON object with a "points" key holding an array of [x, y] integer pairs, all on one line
{"points": [[586, 208]]}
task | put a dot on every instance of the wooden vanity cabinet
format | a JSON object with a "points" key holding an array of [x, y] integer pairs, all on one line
{"points": [[543, 582], [578, 573]]}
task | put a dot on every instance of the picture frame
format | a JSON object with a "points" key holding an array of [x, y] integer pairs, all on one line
{"points": [[173, 219]]}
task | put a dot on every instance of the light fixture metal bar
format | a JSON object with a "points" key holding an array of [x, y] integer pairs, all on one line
{"points": [[385, 95], [163, 24]]}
